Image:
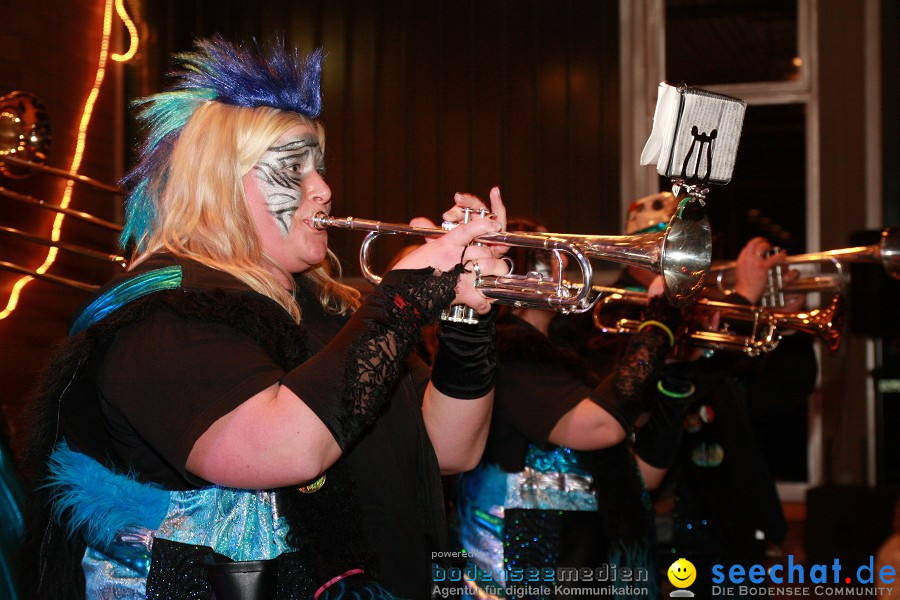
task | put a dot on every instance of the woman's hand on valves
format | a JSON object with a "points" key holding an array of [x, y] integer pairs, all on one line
{"points": [[444, 252], [497, 212], [752, 268]]}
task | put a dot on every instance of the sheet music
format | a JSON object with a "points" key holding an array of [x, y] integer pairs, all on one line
{"points": [[697, 124]]}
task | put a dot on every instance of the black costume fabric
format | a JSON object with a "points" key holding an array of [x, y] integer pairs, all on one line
{"points": [[366, 355], [466, 358], [726, 508], [326, 527], [537, 383], [718, 503], [402, 508]]}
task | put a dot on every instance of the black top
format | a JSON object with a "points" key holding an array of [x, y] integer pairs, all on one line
{"points": [[166, 379], [136, 389], [395, 471], [537, 382]]}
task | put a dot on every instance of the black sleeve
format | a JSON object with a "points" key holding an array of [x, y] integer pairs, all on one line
{"points": [[347, 383], [658, 439], [168, 379], [622, 393], [466, 358], [532, 397]]}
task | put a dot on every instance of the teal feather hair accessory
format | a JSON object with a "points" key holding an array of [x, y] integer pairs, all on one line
{"points": [[245, 76]]}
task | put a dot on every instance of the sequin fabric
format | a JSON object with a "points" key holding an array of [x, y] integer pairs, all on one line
{"points": [[241, 524], [551, 481]]}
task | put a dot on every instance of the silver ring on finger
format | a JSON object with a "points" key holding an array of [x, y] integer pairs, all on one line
{"points": [[476, 268]]}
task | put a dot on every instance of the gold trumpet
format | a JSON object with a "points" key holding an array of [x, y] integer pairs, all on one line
{"points": [[681, 254], [761, 326], [886, 252]]}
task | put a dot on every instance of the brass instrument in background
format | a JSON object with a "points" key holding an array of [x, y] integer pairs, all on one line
{"points": [[762, 326], [24, 140], [886, 252], [765, 321], [681, 254], [24, 132]]}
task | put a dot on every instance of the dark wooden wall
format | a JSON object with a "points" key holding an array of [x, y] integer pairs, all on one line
{"points": [[423, 99]]}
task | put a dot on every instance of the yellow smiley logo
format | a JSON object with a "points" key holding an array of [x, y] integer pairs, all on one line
{"points": [[682, 573]]}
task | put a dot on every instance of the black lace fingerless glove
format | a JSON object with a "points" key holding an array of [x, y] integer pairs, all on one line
{"points": [[657, 441], [466, 358], [621, 393], [349, 380]]}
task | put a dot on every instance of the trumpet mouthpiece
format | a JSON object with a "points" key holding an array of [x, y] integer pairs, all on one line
{"points": [[319, 220]]}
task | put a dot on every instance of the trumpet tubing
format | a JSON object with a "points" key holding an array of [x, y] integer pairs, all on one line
{"points": [[511, 289], [24, 140], [38, 239], [28, 166], [886, 252], [65, 281], [765, 325], [763, 336], [681, 254]]}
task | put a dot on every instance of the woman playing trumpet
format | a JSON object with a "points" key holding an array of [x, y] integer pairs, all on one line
{"points": [[228, 416]]}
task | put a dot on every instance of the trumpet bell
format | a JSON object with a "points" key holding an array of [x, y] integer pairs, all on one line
{"points": [[686, 254], [681, 253], [826, 324]]}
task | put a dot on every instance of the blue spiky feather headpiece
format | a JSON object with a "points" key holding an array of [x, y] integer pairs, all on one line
{"points": [[246, 76]]}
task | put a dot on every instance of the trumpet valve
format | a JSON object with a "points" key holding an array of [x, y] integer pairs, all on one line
{"points": [[482, 213], [459, 313]]}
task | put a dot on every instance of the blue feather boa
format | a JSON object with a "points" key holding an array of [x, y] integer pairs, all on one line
{"points": [[94, 502]]}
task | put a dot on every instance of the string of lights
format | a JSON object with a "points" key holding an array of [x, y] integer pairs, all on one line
{"points": [[81, 140]]}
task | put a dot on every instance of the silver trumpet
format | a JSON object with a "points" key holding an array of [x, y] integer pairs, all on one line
{"points": [[886, 252], [681, 254]]}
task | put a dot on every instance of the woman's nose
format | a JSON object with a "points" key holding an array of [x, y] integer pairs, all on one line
{"points": [[316, 188]]}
